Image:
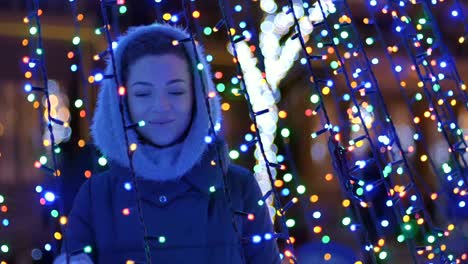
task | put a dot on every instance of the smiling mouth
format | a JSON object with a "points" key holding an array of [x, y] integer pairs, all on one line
{"points": [[161, 122]]}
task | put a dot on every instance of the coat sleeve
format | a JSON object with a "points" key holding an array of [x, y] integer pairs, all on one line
{"points": [[79, 232], [266, 251]]}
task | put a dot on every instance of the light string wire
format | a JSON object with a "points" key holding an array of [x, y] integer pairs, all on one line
{"points": [[379, 100], [409, 103], [226, 189], [445, 111], [284, 230], [122, 91], [336, 151], [34, 14], [459, 84], [79, 55]]}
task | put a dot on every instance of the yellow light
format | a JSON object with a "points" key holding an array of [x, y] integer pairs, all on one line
{"points": [[453, 102], [423, 157], [416, 120], [81, 143], [225, 106], [309, 50], [233, 31], [461, 40], [252, 127], [434, 196], [133, 147], [420, 221], [403, 84], [346, 203], [329, 177], [27, 75], [63, 220], [430, 256], [381, 242], [167, 16], [278, 183], [129, 261], [46, 143], [451, 227], [406, 218], [317, 229], [196, 14], [326, 90], [282, 114], [420, 84], [314, 198], [57, 235]]}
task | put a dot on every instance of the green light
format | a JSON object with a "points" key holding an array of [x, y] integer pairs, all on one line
{"points": [[261, 202], [431, 239], [88, 249], [78, 103], [234, 154], [285, 132], [399, 170], [407, 227], [290, 223], [334, 65], [54, 213], [436, 87], [162, 239], [430, 41], [369, 41], [200, 66], [355, 127], [97, 31], [76, 40], [207, 31], [122, 9], [370, 108], [383, 255], [301, 189], [142, 123], [287, 177], [212, 189], [32, 30], [39, 51], [5, 249], [344, 35], [57, 150], [220, 87], [422, 21], [31, 97], [314, 99], [346, 221], [2, 199], [102, 161], [418, 97], [401, 238], [325, 239], [360, 191]]}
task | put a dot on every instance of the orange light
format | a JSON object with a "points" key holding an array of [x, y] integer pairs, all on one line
{"points": [[126, 211], [282, 114], [87, 174], [121, 91], [28, 75], [70, 55]]}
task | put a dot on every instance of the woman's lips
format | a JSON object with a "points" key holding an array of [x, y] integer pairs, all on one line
{"points": [[161, 122]]}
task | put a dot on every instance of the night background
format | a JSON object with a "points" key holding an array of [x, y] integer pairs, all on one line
{"points": [[384, 197]]}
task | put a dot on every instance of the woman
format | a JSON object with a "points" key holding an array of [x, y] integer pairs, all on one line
{"points": [[179, 178]]}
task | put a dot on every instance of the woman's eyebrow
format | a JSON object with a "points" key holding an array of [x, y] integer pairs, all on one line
{"points": [[141, 83], [174, 81]]}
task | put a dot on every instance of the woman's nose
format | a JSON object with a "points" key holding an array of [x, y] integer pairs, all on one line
{"points": [[161, 103]]}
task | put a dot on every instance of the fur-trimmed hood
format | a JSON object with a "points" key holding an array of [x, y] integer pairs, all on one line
{"points": [[107, 128]]}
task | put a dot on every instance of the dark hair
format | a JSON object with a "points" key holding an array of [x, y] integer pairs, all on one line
{"points": [[150, 44]]}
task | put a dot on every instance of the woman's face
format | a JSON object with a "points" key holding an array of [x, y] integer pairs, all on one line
{"points": [[160, 93]]}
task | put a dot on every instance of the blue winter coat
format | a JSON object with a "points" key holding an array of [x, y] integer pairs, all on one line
{"points": [[193, 223]]}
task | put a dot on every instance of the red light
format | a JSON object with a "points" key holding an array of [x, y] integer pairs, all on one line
{"points": [[121, 2], [37, 164], [25, 59], [251, 217]]}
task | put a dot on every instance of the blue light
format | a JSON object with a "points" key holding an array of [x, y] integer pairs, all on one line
{"points": [[384, 223], [256, 239], [285, 192], [128, 186], [375, 61], [373, 3], [174, 18], [443, 64], [234, 80], [5, 222], [280, 158], [316, 215], [47, 247], [98, 77], [209, 58], [31, 64], [73, 68], [49, 196], [27, 88], [242, 24], [398, 68], [248, 137], [208, 139], [39, 189], [329, 83], [243, 148], [324, 33], [454, 13], [238, 8], [369, 187], [398, 29], [461, 204], [267, 236]]}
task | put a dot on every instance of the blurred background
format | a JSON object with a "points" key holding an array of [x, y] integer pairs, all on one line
{"points": [[72, 40]]}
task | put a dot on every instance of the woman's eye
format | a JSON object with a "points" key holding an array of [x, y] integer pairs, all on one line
{"points": [[141, 94], [177, 93]]}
